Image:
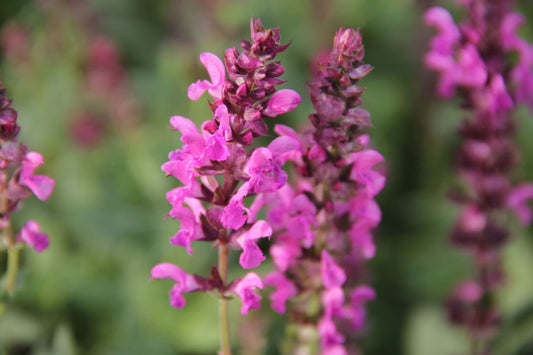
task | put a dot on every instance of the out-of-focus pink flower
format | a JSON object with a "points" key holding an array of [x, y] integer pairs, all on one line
{"points": [[245, 290], [31, 234], [517, 201], [285, 290], [358, 297], [40, 185], [332, 274], [217, 73], [449, 34]]}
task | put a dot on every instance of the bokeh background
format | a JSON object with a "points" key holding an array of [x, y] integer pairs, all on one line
{"points": [[95, 83]]}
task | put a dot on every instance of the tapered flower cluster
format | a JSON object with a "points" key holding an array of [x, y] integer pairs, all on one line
{"points": [[219, 168], [323, 220], [473, 60], [17, 180]]}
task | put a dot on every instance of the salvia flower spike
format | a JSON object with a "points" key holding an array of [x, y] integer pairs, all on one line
{"points": [[17, 182], [218, 168], [322, 222], [472, 59]]}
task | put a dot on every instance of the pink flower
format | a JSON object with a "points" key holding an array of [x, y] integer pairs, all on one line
{"points": [[184, 282], [517, 201], [244, 289], [333, 300], [31, 234], [251, 254], [217, 73], [264, 165], [285, 290], [286, 250], [281, 102], [264, 169], [330, 336], [509, 38], [332, 274], [214, 146], [449, 34], [190, 229], [358, 297], [233, 216], [302, 213], [363, 161], [40, 185]]}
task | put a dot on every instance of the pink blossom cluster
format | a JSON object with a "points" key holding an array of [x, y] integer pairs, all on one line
{"points": [[218, 167], [323, 220], [18, 181], [473, 60]]}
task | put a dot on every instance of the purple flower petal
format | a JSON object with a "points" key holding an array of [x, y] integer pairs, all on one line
{"points": [[217, 73], [233, 216], [285, 290], [332, 274], [244, 289], [252, 256], [184, 282], [281, 102], [517, 201], [31, 234], [40, 185], [190, 229]]}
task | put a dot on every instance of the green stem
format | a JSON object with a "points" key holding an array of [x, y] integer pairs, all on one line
{"points": [[223, 256], [12, 269]]}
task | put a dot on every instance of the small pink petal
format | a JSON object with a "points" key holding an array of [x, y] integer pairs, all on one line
{"points": [[244, 289], [517, 201], [332, 274], [285, 290], [252, 256], [40, 185], [183, 124], [184, 282], [281, 102], [31, 234], [217, 73]]}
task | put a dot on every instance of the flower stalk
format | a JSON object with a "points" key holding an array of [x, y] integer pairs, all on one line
{"points": [[473, 62], [323, 219], [17, 182], [218, 167]]}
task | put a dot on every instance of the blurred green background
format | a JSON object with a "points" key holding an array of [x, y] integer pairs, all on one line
{"points": [[104, 143]]}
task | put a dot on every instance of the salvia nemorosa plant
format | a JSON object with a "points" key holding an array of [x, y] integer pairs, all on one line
{"points": [[489, 67], [17, 182], [323, 219], [218, 166]]}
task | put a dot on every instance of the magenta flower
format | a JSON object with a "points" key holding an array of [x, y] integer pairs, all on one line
{"points": [[332, 274], [40, 185], [474, 56], [190, 229], [323, 222], [281, 102], [517, 202], [357, 312], [217, 73], [245, 290], [251, 254], [285, 290], [31, 234], [184, 282], [17, 167], [221, 170]]}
